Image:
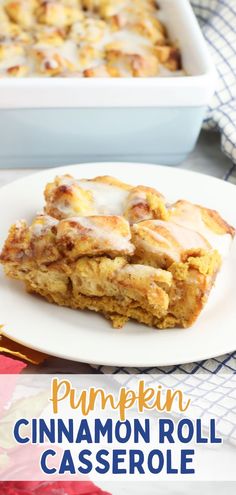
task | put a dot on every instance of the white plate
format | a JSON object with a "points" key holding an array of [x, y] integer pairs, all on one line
{"points": [[88, 337]]}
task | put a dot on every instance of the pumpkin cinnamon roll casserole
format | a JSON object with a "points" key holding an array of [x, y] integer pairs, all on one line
{"points": [[85, 38], [120, 250]]}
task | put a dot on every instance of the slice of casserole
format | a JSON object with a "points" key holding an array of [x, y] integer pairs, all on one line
{"points": [[120, 250]]}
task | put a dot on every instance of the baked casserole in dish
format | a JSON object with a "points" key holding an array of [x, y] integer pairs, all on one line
{"points": [[84, 38], [84, 80]]}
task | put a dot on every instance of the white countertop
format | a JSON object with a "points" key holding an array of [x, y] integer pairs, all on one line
{"points": [[170, 488]]}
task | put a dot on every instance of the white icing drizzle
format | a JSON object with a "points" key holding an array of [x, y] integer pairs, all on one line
{"points": [[136, 198], [108, 199], [71, 48], [42, 224], [66, 180], [190, 217], [108, 238], [185, 238]]}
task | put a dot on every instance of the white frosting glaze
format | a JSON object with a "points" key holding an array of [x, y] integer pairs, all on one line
{"points": [[182, 239], [108, 238], [108, 199], [66, 180], [190, 216], [42, 224], [13, 61], [66, 209], [185, 237], [72, 49], [136, 198]]}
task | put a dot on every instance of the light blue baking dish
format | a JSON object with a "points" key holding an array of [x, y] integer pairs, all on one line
{"points": [[56, 121], [31, 138]]}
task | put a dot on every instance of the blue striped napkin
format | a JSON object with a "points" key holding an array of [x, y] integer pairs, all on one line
{"points": [[217, 19], [221, 364]]}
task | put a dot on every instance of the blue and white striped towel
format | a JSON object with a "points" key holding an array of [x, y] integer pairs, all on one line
{"points": [[217, 19], [221, 364]]}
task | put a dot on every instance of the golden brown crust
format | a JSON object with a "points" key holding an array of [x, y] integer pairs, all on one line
{"points": [[139, 61], [161, 243], [80, 236], [111, 181], [184, 210], [144, 203], [64, 195], [48, 240], [21, 12], [67, 197]]}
